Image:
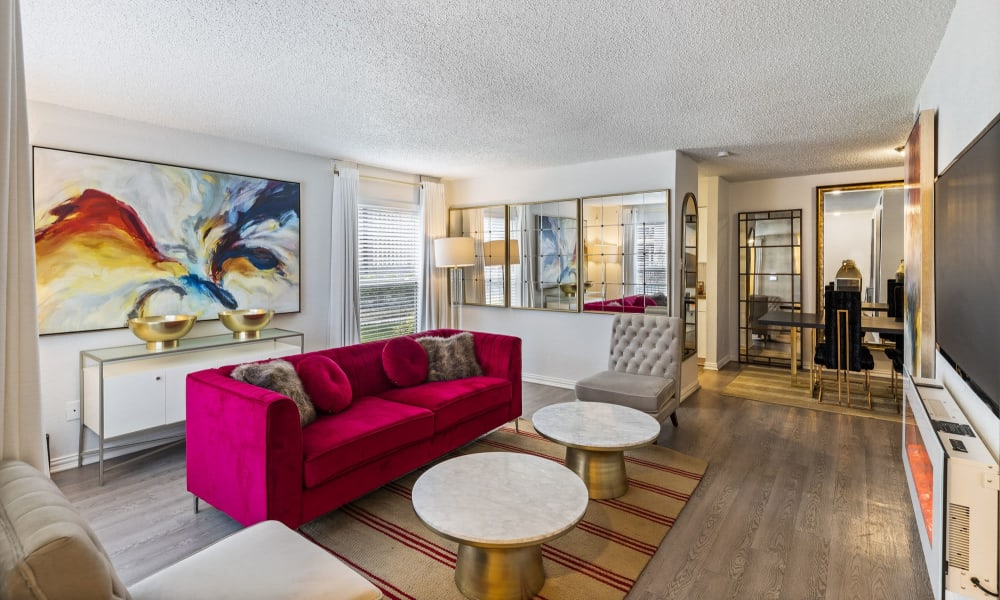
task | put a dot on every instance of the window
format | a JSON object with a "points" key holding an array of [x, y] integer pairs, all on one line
{"points": [[651, 258], [389, 259]]}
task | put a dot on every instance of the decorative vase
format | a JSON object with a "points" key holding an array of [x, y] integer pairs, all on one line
{"points": [[899, 272], [848, 276]]}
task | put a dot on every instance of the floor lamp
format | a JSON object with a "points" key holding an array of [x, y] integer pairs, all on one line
{"points": [[453, 253]]}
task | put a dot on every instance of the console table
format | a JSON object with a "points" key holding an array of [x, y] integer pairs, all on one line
{"points": [[127, 389]]}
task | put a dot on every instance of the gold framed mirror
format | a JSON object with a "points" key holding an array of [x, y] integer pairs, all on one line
{"points": [[625, 241], [485, 282], [862, 223], [543, 240], [689, 275]]}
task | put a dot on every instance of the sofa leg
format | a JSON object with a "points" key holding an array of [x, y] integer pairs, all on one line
{"points": [[195, 504], [673, 419]]}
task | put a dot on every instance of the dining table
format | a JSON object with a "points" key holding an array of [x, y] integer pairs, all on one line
{"points": [[796, 321]]}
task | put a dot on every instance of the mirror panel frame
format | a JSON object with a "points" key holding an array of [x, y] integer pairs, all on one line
{"points": [[554, 245], [602, 252], [689, 272], [820, 205], [490, 251]]}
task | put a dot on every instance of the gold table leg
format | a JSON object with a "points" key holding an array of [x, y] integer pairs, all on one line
{"points": [[603, 472], [499, 573], [794, 352]]}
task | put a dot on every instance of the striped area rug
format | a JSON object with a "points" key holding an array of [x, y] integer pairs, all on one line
{"points": [[768, 384], [381, 537]]}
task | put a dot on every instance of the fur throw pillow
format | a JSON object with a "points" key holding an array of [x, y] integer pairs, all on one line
{"points": [[278, 376], [450, 358]]}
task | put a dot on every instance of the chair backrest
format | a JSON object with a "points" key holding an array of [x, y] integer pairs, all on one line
{"points": [[890, 289], [842, 326], [647, 344], [894, 300]]}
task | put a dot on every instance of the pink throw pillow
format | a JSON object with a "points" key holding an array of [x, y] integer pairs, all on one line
{"points": [[325, 382], [404, 361]]}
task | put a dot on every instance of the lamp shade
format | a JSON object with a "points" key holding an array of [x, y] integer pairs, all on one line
{"points": [[494, 253], [454, 252]]}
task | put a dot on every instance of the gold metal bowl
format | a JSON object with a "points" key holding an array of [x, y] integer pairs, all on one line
{"points": [[568, 288], [162, 331], [246, 323]]}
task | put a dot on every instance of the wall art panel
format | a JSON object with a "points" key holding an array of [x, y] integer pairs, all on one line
{"points": [[117, 238]]}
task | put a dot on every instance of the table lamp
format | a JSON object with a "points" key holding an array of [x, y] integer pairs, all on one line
{"points": [[453, 253]]}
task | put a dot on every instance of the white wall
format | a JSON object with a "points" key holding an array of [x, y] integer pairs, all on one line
{"points": [[67, 129], [963, 84], [560, 348], [787, 193]]}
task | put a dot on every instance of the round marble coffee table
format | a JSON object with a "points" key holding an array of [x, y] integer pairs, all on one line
{"points": [[500, 507], [596, 435]]}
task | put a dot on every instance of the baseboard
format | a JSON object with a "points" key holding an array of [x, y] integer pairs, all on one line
{"points": [[69, 461], [690, 389], [546, 380], [717, 365]]}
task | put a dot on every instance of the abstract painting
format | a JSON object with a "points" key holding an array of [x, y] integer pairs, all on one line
{"points": [[918, 248], [118, 238], [557, 250]]}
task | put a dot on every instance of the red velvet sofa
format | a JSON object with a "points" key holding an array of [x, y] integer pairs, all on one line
{"points": [[248, 456], [628, 304]]}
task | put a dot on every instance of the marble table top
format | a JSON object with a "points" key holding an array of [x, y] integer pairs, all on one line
{"points": [[596, 425], [499, 499]]}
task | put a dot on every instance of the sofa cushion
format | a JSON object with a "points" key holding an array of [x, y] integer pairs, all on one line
{"points": [[455, 401], [325, 382], [370, 428], [404, 361], [450, 357], [47, 550], [278, 376], [266, 560]]}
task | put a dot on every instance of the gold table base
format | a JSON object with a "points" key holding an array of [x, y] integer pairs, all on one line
{"points": [[602, 471], [499, 573]]}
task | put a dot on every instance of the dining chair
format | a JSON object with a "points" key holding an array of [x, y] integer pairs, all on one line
{"points": [[895, 354], [842, 349]]}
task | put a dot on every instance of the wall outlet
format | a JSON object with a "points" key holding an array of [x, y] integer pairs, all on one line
{"points": [[72, 411]]}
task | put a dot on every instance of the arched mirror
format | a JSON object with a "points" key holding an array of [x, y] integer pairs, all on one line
{"points": [[690, 275], [484, 283], [625, 243], [862, 223], [544, 269]]}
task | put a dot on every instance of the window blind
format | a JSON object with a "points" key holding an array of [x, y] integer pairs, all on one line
{"points": [[651, 259], [389, 255]]}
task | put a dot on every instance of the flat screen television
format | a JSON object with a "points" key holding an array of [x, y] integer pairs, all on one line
{"points": [[967, 264]]}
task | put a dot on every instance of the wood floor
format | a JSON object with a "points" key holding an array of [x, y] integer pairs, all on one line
{"points": [[795, 504]]}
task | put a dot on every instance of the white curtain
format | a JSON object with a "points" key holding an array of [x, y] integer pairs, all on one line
{"points": [[433, 304], [20, 388], [344, 249]]}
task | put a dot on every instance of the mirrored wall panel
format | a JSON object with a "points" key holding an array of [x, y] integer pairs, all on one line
{"points": [[544, 270], [690, 275], [862, 223], [625, 241], [770, 247], [483, 283]]}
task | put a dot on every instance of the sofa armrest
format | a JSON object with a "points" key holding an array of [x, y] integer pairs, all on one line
{"points": [[500, 356], [244, 449], [47, 550]]}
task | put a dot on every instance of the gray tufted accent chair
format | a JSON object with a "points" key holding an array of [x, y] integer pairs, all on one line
{"points": [[643, 367]]}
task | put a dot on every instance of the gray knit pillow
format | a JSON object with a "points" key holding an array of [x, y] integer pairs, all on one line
{"points": [[278, 376], [450, 358]]}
